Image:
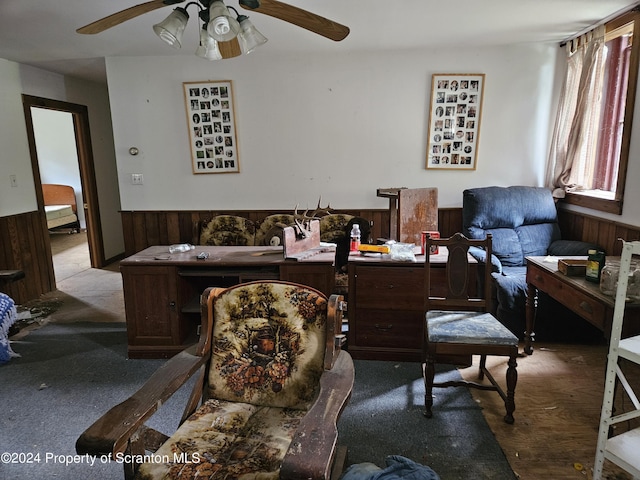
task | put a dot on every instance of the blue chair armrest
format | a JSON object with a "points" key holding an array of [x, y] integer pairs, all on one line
{"points": [[481, 256]]}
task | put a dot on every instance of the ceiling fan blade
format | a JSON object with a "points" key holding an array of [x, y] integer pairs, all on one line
{"points": [[299, 17], [124, 15], [230, 49]]}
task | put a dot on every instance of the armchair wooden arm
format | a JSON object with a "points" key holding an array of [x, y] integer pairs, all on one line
{"points": [[112, 432], [317, 434]]}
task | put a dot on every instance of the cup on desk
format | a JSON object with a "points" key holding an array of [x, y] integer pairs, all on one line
{"points": [[423, 241]]}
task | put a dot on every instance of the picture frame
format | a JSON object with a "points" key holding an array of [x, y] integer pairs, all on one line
{"points": [[211, 123], [454, 121]]}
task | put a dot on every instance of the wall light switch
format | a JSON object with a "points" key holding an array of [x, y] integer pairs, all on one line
{"points": [[137, 179], [14, 180]]}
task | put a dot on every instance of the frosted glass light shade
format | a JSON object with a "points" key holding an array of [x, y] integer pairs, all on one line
{"points": [[250, 37], [171, 28], [222, 27], [208, 47]]}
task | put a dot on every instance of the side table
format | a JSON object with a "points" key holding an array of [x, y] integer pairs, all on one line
{"points": [[574, 292]]}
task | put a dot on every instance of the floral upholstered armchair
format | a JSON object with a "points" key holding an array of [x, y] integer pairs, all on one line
{"points": [[224, 230], [271, 383], [270, 231]]}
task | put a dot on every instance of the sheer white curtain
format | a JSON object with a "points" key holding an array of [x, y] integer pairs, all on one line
{"points": [[573, 144]]}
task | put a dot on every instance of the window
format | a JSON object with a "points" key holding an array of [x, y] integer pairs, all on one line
{"points": [[598, 174]]}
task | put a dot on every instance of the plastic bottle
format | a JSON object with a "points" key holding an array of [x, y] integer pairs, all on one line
{"points": [[595, 262], [180, 248], [355, 238]]}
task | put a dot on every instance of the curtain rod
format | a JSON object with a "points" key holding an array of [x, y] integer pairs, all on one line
{"points": [[634, 7]]}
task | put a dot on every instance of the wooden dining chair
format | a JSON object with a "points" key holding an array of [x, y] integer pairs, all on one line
{"points": [[459, 325]]}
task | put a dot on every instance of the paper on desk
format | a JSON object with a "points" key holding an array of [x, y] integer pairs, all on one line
{"points": [[551, 259]]}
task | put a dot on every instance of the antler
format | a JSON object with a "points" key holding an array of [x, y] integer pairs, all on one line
{"points": [[302, 220], [302, 223], [319, 211]]}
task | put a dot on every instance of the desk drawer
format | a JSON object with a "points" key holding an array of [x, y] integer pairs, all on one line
{"points": [[394, 288], [383, 328], [587, 307]]}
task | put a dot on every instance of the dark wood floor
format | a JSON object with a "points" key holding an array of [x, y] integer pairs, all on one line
{"points": [[558, 402]]}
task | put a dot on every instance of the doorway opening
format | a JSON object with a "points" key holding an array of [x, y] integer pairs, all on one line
{"points": [[59, 168], [61, 154]]}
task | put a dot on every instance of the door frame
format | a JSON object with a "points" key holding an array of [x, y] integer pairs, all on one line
{"points": [[90, 203]]}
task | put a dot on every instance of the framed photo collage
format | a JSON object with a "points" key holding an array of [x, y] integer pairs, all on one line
{"points": [[454, 121], [211, 123]]}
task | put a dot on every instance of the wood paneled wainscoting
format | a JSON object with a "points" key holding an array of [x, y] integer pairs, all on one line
{"points": [[24, 238], [24, 245], [144, 229], [601, 231]]}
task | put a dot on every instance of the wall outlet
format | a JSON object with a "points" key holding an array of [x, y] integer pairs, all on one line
{"points": [[137, 179], [14, 180]]}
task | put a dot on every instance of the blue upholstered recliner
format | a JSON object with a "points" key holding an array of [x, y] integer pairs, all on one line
{"points": [[523, 222]]}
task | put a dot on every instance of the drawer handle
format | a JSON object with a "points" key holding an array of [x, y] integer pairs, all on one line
{"points": [[586, 307], [172, 304], [538, 278], [383, 328]]}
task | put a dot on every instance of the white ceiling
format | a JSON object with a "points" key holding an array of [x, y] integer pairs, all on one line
{"points": [[42, 33]]}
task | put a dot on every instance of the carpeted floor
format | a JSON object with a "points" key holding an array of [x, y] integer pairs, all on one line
{"points": [[69, 374], [385, 417]]}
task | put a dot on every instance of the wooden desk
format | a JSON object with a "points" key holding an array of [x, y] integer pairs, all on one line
{"points": [[386, 306], [162, 290], [574, 292]]}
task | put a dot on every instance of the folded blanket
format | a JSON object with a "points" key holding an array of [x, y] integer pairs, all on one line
{"points": [[8, 316]]}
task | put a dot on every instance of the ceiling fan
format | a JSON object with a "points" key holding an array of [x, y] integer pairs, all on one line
{"points": [[228, 48]]}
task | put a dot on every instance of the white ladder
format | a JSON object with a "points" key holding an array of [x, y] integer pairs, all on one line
{"points": [[622, 449]]}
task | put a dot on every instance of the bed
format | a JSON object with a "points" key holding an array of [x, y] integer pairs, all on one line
{"points": [[60, 206]]}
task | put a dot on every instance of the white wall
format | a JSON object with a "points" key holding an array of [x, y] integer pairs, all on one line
{"points": [[17, 79], [14, 154], [96, 97], [335, 126]]}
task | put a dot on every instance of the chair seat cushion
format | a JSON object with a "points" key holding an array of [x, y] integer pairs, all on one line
{"points": [[228, 439], [477, 328]]}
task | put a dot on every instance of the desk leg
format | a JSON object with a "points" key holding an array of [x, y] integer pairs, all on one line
{"points": [[531, 306]]}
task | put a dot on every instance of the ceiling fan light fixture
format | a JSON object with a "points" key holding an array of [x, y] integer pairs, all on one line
{"points": [[222, 26], [170, 30], [249, 36], [208, 48]]}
